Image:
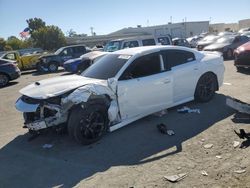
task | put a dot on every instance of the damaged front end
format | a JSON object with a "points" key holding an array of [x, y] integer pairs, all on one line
{"points": [[41, 113], [53, 110]]}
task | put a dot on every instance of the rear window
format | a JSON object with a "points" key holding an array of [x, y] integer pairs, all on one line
{"points": [[106, 67], [164, 40], [148, 42], [130, 44]]}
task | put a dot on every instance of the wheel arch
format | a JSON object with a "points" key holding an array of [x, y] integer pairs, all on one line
{"points": [[212, 73], [6, 74]]}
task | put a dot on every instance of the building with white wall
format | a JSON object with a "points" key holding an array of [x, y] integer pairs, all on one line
{"points": [[182, 30]]}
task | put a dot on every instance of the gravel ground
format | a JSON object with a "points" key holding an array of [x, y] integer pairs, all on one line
{"points": [[134, 156]]}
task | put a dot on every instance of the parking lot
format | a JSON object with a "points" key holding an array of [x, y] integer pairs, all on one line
{"points": [[134, 156]]}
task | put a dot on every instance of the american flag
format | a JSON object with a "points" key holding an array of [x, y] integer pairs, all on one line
{"points": [[25, 32]]}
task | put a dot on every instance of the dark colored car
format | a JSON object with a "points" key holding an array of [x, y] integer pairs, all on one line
{"points": [[51, 62], [78, 65], [226, 45], [181, 42], [8, 71], [209, 39], [242, 56]]}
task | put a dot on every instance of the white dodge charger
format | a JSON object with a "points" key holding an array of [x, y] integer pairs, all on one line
{"points": [[120, 88]]}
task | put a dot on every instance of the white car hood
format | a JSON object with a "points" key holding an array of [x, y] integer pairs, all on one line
{"points": [[56, 86]]}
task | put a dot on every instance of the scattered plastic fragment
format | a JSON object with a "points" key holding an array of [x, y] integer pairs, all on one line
{"points": [[226, 83], [204, 173], [218, 157], [47, 146], [178, 168], [203, 140], [161, 113], [186, 109], [164, 130], [170, 132], [175, 178], [241, 171], [236, 144], [208, 146]]}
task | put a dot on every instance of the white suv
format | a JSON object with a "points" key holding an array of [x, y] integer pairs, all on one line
{"points": [[147, 40]]}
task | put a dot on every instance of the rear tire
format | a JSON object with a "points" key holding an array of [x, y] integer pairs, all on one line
{"points": [[4, 80], [87, 125], [205, 88]]}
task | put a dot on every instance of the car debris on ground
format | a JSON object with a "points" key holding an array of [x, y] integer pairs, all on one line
{"points": [[164, 130], [208, 146], [236, 144], [161, 113], [225, 83], [186, 109], [240, 171], [218, 157], [204, 173], [176, 178]]}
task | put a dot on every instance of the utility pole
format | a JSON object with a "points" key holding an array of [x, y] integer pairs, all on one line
{"points": [[92, 31]]}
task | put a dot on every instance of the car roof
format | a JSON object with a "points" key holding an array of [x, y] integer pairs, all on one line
{"points": [[152, 49]]}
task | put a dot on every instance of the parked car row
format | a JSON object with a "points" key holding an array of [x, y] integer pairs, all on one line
{"points": [[77, 58], [8, 71]]}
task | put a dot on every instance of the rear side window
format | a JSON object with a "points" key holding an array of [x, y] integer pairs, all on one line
{"points": [[148, 42], [143, 66], [130, 44], [67, 52], [164, 40], [10, 56], [79, 49], [174, 58]]}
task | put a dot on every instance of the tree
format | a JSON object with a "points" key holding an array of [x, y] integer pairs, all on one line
{"points": [[14, 43], [2, 44], [71, 33], [49, 37], [35, 24]]}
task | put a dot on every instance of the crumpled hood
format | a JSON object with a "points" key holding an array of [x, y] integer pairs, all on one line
{"points": [[216, 46], [56, 86]]}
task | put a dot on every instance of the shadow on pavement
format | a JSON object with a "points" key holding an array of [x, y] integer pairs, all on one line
{"points": [[27, 164]]}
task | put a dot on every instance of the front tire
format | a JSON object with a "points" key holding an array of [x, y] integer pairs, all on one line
{"points": [[205, 88], [87, 125], [4, 80], [53, 67]]}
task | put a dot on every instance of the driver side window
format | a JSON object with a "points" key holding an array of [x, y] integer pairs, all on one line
{"points": [[66, 52], [143, 66]]}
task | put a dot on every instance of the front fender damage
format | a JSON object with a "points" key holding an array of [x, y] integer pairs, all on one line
{"points": [[45, 114], [84, 93]]}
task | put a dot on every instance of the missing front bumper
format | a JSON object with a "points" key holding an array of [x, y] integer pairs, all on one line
{"points": [[37, 125]]}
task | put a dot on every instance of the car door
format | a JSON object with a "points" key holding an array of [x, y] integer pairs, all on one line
{"points": [[185, 72], [66, 54], [144, 87]]}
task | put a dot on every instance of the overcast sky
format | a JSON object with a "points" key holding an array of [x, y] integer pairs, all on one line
{"points": [[106, 16]]}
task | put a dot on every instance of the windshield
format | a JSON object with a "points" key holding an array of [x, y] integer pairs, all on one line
{"points": [[225, 40], [106, 67], [59, 51], [113, 46]]}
